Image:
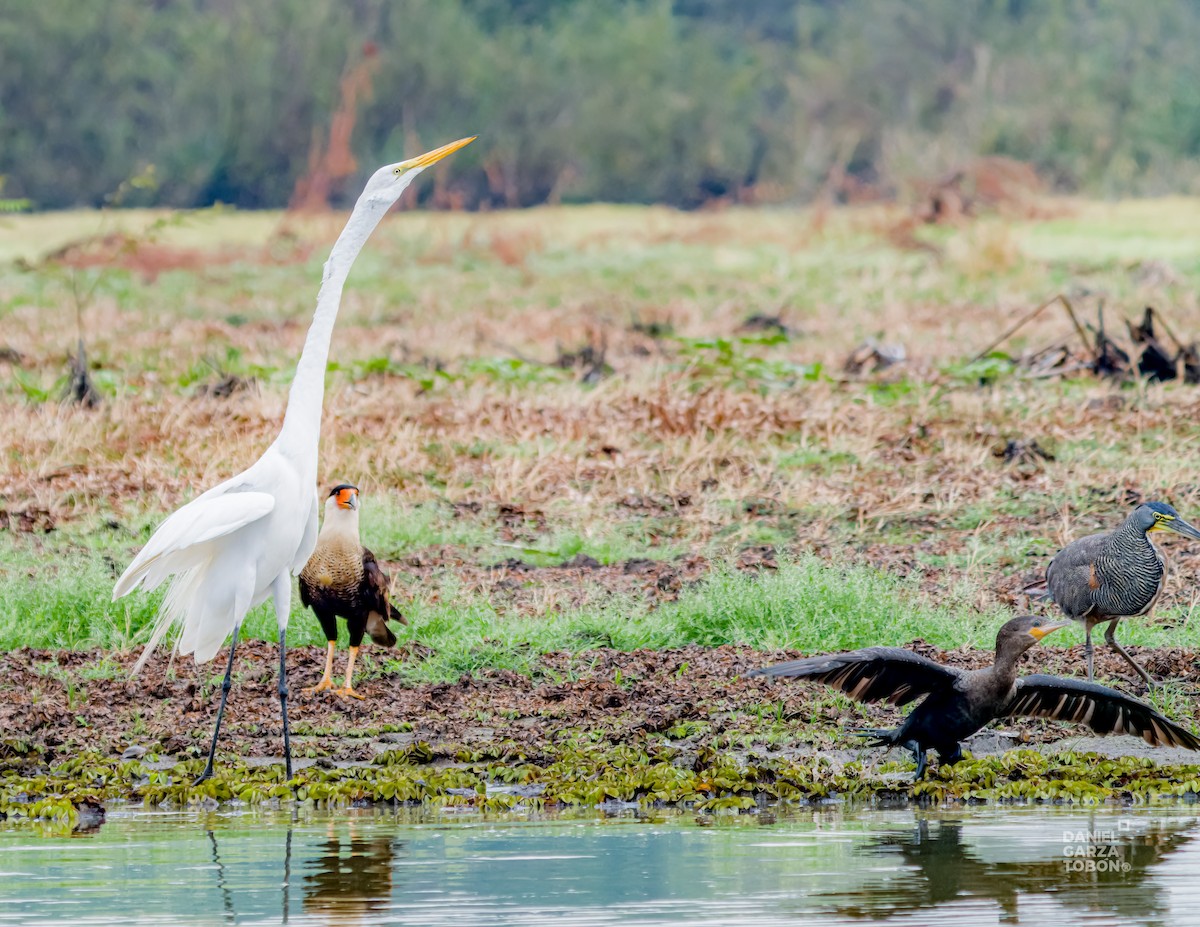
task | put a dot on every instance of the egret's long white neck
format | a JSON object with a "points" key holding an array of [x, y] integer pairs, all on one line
{"points": [[301, 430]]}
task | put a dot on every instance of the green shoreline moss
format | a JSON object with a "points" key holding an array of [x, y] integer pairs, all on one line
{"points": [[583, 775]]}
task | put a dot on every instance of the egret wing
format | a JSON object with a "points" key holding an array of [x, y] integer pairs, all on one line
{"points": [[1104, 710], [308, 543], [200, 521], [874, 674]]}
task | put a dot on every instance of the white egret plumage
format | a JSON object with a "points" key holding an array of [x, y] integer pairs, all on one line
{"points": [[241, 542]]}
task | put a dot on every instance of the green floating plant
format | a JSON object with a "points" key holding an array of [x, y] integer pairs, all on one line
{"points": [[579, 771]]}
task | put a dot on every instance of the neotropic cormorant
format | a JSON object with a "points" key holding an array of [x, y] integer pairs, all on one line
{"points": [[960, 702]]}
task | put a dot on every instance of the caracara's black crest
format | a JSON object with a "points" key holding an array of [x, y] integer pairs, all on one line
{"points": [[342, 579]]}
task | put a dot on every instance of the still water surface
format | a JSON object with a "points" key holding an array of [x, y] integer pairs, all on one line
{"points": [[834, 866]]}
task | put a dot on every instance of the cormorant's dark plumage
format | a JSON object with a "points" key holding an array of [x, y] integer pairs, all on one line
{"points": [[960, 702]]}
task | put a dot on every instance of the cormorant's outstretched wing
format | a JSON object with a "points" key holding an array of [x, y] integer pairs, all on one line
{"points": [[874, 674], [1104, 710]]}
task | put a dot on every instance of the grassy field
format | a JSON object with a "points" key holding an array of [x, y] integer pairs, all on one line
{"points": [[602, 426]]}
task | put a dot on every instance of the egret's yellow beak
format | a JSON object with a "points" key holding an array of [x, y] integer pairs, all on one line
{"points": [[432, 157], [1038, 633]]}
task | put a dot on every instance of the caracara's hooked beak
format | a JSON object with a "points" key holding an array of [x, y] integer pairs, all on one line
{"points": [[1179, 526], [432, 157], [345, 496], [1042, 630]]}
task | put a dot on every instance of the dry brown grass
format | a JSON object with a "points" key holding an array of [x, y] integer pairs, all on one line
{"points": [[821, 464]]}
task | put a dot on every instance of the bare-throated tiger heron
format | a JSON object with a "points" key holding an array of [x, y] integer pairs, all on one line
{"points": [[1105, 577]]}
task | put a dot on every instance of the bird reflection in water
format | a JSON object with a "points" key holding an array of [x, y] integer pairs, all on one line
{"points": [[935, 866], [351, 877], [223, 884], [347, 881]]}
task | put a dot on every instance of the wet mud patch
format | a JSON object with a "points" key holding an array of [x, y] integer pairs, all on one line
{"points": [[672, 726]]}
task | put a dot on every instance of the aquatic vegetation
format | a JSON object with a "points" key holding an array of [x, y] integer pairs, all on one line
{"points": [[581, 774]]}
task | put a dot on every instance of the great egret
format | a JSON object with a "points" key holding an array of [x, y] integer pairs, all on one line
{"points": [[343, 578], [240, 542]]}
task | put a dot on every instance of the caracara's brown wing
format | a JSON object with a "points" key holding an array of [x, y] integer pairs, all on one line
{"points": [[1104, 710], [875, 674], [377, 601], [306, 593]]}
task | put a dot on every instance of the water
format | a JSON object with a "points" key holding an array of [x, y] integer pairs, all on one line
{"points": [[835, 866]]}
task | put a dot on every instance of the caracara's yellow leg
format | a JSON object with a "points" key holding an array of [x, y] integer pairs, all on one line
{"points": [[326, 680], [348, 688]]}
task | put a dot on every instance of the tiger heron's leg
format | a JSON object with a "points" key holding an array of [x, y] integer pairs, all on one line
{"points": [[348, 688], [1110, 637], [1087, 649], [326, 680]]}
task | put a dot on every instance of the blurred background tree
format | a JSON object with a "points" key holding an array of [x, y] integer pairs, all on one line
{"points": [[628, 100]]}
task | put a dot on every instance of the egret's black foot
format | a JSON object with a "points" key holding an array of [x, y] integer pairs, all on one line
{"points": [[207, 774]]}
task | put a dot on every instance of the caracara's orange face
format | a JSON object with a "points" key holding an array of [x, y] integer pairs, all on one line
{"points": [[346, 497]]}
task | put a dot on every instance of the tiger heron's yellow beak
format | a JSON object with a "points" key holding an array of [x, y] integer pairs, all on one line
{"points": [[1039, 632], [432, 157], [1178, 525]]}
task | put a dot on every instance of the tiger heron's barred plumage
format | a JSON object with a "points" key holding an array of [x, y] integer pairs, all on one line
{"points": [[957, 703], [1105, 577], [343, 579]]}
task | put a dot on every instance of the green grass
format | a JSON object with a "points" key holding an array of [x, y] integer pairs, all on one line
{"points": [[55, 592], [807, 604], [435, 316]]}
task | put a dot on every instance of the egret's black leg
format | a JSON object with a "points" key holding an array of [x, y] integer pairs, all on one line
{"points": [[1110, 635], [283, 697], [225, 687]]}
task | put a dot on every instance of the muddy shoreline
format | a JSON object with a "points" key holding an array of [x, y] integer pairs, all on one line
{"points": [[63, 702], [678, 726]]}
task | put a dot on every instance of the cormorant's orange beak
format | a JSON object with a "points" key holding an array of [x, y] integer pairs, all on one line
{"points": [[1039, 632], [432, 157]]}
